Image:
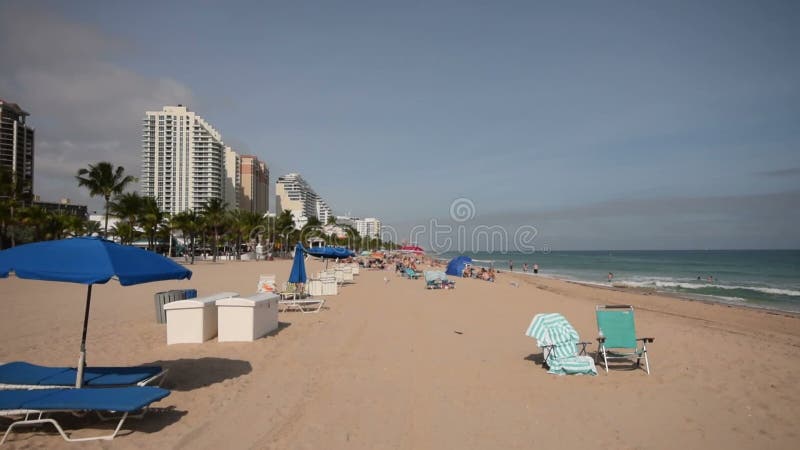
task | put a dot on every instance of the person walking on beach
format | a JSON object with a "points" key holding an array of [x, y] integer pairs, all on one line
{"points": [[510, 265], [535, 268], [525, 267]]}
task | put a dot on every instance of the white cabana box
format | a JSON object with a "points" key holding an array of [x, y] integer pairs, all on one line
{"points": [[193, 321], [314, 287], [247, 319]]}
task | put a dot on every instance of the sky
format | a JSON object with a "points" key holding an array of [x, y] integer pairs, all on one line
{"points": [[601, 125]]}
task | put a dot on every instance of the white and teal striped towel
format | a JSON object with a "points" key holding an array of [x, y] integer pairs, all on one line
{"points": [[553, 330]]}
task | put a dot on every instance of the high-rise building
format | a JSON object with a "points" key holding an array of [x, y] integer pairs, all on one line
{"points": [[369, 227], [233, 178], [16, 145], [182, 160], [292, 192], [255, 185]]}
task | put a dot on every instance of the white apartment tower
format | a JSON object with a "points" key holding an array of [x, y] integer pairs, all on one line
{"points": [[368, 227], [182, 160], [292, 192]]}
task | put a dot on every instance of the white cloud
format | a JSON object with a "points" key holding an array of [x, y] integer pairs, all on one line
{"points": [[84, 106]]}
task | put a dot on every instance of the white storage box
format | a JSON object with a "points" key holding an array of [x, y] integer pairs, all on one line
{"points": [[314, 288], [247, 319], [329, 285], [193, 321]]}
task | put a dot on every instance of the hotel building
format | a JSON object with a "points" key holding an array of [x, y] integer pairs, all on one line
{"points": [[16, 145], [292, 192], [182, 160], [369, 227], [254, 182]]}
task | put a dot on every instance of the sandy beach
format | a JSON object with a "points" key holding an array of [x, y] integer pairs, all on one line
{"points": [[391, 365]]}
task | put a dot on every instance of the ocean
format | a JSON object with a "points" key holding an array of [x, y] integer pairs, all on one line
{"points": [[756, 278]]}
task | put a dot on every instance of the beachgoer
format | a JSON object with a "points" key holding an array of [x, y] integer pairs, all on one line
{"points": [[510, 265], [610, 277], [535, 268], [710, 279], [525, 267]]}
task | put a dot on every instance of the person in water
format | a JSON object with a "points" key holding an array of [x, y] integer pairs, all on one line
{"points": [[610, 277], [535, 268]]}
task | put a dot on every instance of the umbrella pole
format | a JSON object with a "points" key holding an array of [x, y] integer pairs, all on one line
{"points": [[82, 358]]}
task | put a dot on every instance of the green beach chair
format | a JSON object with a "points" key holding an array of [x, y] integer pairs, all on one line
{"points": [[617, 336]]}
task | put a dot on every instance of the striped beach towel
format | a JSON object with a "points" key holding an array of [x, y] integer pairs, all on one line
{"points": [[552, 329]]}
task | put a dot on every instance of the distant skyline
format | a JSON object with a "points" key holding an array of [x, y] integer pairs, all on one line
{"points": [[615, 125]]}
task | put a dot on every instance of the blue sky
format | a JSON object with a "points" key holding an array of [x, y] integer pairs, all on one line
{"points": [[602, 124]]}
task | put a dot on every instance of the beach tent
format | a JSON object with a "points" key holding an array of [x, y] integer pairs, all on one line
{"points": [[298, 273], [89, 261], [456, 265]]}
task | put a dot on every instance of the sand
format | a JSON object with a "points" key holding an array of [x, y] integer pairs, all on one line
{"points": [[395, 366]]}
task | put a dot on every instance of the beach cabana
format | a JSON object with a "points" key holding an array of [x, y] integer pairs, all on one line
{"points": [[457, 265], [89, 261]]}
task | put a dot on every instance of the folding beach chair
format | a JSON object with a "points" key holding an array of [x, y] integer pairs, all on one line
{"points": [[266, 283], [33, 407], [562, 350], [411, 274], [617, 336], [23, 375]]}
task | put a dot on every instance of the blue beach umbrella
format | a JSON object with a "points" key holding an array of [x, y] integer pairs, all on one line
{"points": [[88, 260], [298, 273]]}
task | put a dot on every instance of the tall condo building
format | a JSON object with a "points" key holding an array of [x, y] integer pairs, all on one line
{"points": [[292, 192], [233, 178], [368, 227], [255, 185], [182, 159], [16, 145]]}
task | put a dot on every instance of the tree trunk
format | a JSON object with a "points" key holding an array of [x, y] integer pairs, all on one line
{"points": [[105, 228]]}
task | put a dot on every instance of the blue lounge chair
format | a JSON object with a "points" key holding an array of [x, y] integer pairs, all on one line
{"points": [[23, 375], [29, 407]]}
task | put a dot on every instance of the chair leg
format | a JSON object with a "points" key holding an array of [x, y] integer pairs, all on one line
{"points": [[605, 357], [646, 361]]}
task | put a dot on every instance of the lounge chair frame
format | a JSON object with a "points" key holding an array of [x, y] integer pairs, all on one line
{"points": [[40, 419], [306, 306], [638, 352]]}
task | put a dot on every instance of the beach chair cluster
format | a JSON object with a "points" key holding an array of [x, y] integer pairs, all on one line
{"points": [[438, 280], [32, 395], [564, 353], [299, 297]]}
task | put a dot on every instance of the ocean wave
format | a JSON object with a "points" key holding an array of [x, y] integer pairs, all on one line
{"points": [[696, 286]]}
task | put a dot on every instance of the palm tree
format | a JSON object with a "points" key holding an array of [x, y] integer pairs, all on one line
{"points": [[37, 218], [128, 208], [284, 226], [14, 193], [242, 224], [189, 224], [214, 215], [102, 179], [151, 218]]}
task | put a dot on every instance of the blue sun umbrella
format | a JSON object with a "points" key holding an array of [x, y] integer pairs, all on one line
{"points": [[298, 273], [88, 260]]}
